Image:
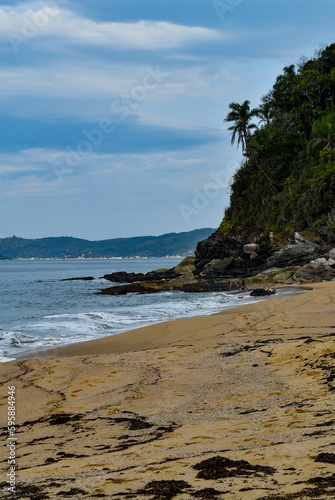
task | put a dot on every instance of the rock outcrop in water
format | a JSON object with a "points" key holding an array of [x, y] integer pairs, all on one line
{"points": [[221, 264]]}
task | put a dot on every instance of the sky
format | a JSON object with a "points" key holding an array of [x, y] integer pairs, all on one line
{"points": [[112, 113]]}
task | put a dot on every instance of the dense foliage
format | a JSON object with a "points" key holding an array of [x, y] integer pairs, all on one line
{"points": [[287, 179]]}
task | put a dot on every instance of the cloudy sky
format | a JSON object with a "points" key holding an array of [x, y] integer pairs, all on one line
{"points": [[111, 112]]}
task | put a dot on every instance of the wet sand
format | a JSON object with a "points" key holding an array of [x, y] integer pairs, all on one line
{"points": [[238, 405]]}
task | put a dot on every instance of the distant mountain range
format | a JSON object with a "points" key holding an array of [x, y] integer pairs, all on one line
{"points": [[171, 244]]}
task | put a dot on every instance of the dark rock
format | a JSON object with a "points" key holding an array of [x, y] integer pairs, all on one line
{"points": [[123, 277], [85, 278], [316, 270], [189, 284], [326, 239], [296, 238], [222, 263], [129, 288], [218, 247], [207, 285], [251, 248], [262, 292], [186, 266], [295, 255], [220, 267], [236, 262], [161, 274]]}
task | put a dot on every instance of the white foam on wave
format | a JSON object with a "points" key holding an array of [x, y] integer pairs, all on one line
{"points": [[60, 329]]}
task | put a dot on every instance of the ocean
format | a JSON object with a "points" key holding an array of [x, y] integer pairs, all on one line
{"points": [[39, 310]]}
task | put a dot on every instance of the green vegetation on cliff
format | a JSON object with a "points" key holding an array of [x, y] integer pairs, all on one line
{"points": [[287, 179]]}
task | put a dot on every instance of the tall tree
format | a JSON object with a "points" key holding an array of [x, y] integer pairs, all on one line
{"points": [[323, 132], [241, 114]]}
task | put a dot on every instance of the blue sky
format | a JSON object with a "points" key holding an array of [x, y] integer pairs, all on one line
{"points": [[111, 113]]}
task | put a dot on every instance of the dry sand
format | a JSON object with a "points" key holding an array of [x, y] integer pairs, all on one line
{"points": [[238, 405]]}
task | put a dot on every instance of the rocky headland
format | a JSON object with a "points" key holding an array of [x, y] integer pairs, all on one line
{"points": [[229, 263]]}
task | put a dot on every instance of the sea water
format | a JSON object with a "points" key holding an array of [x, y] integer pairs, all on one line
{"points": [[39, 310]]}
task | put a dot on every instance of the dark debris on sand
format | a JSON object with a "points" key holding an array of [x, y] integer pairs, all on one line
{"points": [[208, 494], [326, 458], [164, 490], [325, 486], [221, 467], [24, 490]]}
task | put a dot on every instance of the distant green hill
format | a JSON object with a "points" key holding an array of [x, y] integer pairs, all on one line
{"points": [[66, 247]]}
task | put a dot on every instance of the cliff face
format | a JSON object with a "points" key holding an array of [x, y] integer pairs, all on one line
{"points": [[217, 247], [250, 255]]}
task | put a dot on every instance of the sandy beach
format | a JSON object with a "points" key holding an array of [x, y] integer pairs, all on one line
{"points": [[237, 405]]}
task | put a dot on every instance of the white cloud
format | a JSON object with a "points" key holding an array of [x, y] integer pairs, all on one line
{"points": [[88, 91], [23, 162], [141, 35], [40, 189], [90, 80], [72, 80]]}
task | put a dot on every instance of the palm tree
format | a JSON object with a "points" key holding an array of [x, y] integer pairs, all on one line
{"points": [[323, 132], [241, 115], [265, 113]]}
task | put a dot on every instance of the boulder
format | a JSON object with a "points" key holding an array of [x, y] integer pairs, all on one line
{"points": [[182, 280], [272, 277], [251, 248], [218, 247], [123, 277], [262, 292], [321, 262], [295, 255], [295, 238], [316, 270], [331, 254], [186, 266], [207, 285], [327, 239], [217, 267]]}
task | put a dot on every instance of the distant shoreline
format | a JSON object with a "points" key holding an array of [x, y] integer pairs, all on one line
{"points": [[96, 258], [67, 247]]}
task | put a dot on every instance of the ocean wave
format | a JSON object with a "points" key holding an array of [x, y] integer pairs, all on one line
{"points": [[59, 329]]}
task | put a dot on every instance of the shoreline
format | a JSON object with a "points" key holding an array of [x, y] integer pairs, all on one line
{"points": [[239, 403], [126, 340]]}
